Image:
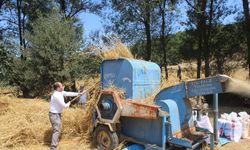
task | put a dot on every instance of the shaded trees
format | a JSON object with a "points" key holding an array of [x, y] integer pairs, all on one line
{"points": [[131, 20], [52, 43], [17, 16], [205, 16], [166, 9], [71, 8], [247, 29]]}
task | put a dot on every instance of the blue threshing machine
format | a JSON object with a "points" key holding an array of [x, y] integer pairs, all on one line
{"points": [[167, 123]]}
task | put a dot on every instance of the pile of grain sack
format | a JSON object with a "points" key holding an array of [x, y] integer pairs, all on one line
{"points": [[234, 126], [231, 126]]}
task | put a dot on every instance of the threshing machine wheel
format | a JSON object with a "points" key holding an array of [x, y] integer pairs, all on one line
{"points": [[105, 139]]}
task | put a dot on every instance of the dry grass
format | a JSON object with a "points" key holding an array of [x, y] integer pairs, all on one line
{"points": [[28, 123], [93, 97], [117, 50], [25, 122], [9, 91]]}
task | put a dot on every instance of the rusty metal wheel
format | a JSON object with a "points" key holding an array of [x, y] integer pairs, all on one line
{"points": [[104, 139]]}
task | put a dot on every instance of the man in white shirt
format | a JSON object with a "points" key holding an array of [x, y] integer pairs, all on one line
{"points": [[56, 107]]}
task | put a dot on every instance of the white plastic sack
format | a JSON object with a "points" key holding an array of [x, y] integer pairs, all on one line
{"points": [[233, 130], [245, 128], [205, 123], [245, 120], [248, 121], [244, 115], [234, 116], [221, 125], [225, 116]]}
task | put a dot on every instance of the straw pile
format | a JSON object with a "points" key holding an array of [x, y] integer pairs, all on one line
{"points": [[116, 51], [9, 91], [22, 122], [87, 118], [25, 122], [92, 99], [112, 48]]}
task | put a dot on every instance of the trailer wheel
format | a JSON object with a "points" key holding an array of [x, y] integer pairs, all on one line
{"points": [[104, 139]]}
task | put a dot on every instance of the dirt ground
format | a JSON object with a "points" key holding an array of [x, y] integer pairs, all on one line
{"points": [[244, 144]]}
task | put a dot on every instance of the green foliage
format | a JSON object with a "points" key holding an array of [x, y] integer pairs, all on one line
{"points": [[5, 65], [83, 65], [127, 18], [173, 47], [228, 40], [52, 43]]}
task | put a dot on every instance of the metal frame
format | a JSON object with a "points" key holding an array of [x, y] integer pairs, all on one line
{"points": [[118, 102]]}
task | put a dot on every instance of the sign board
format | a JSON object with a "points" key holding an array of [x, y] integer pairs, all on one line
{"points": [[204, 86]]}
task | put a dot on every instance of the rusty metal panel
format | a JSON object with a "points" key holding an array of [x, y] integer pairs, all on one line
{"points": [[139, 110]]}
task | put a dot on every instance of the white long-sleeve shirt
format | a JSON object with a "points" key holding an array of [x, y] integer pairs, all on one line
{"points": [[57, 103]]}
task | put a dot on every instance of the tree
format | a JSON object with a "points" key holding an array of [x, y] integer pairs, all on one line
{"points": [[166, 9], [20, 26], [247, 30], [217, 11], [227, 43], [52, 43], [208, 15], [131, 19], [16, 18], [71, 8], [6, 61], [196, 14]]}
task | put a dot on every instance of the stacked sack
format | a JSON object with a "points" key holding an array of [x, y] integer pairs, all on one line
{"points": [[245, 120], [233, 127], [230, 126]]}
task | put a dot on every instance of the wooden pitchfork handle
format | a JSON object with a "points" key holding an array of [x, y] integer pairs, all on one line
{"points": [[85, 91]]}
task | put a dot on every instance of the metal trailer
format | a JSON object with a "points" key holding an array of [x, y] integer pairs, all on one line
{"points": [[166, 124]]}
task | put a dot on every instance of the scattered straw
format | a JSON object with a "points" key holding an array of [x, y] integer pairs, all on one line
{"points": [[120, 146], [86, 124], [26, 122], [113, 48]]}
